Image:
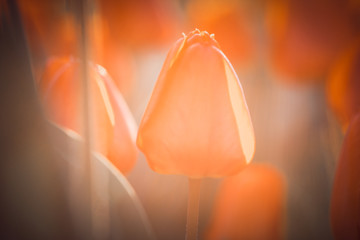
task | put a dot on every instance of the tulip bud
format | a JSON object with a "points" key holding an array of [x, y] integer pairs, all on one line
{"points": [[345, 201], [197, 122], [112, 124]]}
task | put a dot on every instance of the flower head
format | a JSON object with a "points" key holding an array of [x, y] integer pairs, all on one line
{"points": [[197, 122], [112, 125]]}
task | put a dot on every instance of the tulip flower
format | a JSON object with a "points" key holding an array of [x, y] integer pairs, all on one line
{"points": [[228, 21], [113, 126], [345, 201], [250, 205], [305, 36], [51, 30], [197, 122], [343, 85]]}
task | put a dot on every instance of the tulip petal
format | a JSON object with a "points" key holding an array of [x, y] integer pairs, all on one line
{"points": [[241, 112]]}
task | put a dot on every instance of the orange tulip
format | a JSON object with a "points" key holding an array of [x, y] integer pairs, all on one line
{"points": [[197, 122], [51, 30], [306, 36], [345, 201], [229, 23], [344, 84], [113, 126], [250, 205]]}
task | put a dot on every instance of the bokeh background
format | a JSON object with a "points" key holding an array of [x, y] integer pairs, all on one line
{"points": [[286, 54]]}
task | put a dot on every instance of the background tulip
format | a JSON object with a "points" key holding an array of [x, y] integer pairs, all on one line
{"points": [[250, 205], [305, 36], [345, 202], [50, 27], [197, 122], [112, 124]]}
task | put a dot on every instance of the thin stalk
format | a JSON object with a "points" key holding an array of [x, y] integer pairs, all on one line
{"points": [[193, 209]]}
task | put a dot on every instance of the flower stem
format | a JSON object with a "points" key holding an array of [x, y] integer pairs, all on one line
{"points": [[193, 209]]}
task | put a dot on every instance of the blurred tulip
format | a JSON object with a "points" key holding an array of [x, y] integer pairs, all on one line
{"points": [[306, 36], [250, 205], [345, 202], [112, 125], [343, 85], [228, 22], [140, 23], [50, 27], [51, 30], [197, 122]]}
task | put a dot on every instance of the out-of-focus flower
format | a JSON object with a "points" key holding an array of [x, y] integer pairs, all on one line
{"points": [[52, 31], [140, 23], [306, 36], [197, 122], [50, 27], [250, 205], [343, 85], [345, 201], [112, 125], [227, 20]]}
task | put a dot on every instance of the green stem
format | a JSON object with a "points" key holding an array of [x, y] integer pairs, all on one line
{"points": [[193, 209]]}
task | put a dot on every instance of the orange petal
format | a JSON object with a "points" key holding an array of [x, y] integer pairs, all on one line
{"points": [[122, 146], [112, 126]]}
